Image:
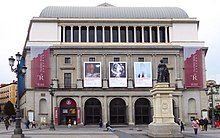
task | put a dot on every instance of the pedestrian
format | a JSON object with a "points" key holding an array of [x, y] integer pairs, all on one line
{"points": [[195, 125], [108, 127], [181, 124], [33, 124], [27, 124], [201, 124], [100, 123], [69, 123], [6, 121], [206, 122]]}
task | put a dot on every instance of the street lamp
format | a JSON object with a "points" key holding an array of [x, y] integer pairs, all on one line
{"points": [[19, 71], [211, 90], [51, 90]]}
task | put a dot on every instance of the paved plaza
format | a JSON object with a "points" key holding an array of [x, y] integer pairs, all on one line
{"points": [[95, 132]]}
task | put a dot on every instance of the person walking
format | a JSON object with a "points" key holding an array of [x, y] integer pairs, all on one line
{"points": [[180, 123], [100, 123], [206, 124], [195, 125], [33, 124], [6, 121], [27, 124]]}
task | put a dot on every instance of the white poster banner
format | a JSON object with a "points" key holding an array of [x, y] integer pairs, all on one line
{"points": [[92, 74], [117, 74], [142, 74]]}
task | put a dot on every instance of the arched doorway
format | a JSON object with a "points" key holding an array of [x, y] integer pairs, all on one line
{"points": [[175, 112], [68, 111], [142, 111], [93, 111], [117, 111]]}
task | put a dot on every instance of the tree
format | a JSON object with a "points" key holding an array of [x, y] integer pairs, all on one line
{"points": [[9, 109]]}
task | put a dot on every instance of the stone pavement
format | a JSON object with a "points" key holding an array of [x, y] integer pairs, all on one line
{"points": [[95, 132]]}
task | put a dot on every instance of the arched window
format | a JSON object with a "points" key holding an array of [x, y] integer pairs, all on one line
{"points": [[191, 105], [43, 106]]}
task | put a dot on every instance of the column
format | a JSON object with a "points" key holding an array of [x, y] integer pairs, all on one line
{"points": [[111, 34], [87, 34], [81, 110], [142, 30], [95, 27], [79, 71], [180, 107], [105, 81], [105, 108], [119, 34], [166, 35], [130, 108], [103, 34], [71, 34], [64, 34], [79, 33], [135, 34], [158, 34], [150, 30], [126, 34]]}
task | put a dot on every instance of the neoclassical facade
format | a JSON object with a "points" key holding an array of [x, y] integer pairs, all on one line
{"points": [[103, 62]]}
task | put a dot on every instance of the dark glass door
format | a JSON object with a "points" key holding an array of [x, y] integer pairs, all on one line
{"points": [[117, 111], [142, 111]]}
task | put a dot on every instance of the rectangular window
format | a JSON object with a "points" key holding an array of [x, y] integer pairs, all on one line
{"points": [[165, 60], [162, 34], [83, 34], [91, 34], [92, 59], [99, 34], [116, 59], [123, 33], [61, 33], [107, 34], [67, 34], [130, 34], [115, 33], [141, 59], [75, 34], [67, 80], [138, 34], [146, 34], [67, 60], [154, 34]]}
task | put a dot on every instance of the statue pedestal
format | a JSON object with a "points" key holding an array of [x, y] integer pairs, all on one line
{"points": [[163, 125]]}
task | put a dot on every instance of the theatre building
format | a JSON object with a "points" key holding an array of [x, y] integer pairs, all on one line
{"points": [[103, 63]]}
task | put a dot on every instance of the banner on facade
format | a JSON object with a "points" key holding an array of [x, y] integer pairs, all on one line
{"points": [[142, 74], [40, 67], [117, 74], [92, 74], [193, 67], [56, 115], [78, 115]]}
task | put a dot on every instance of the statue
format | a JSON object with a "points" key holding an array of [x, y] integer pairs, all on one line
{"points": [[163, 72]]}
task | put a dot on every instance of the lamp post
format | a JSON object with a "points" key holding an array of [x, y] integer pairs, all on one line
{"points": [[51, 90], [211, 90], [18, 71]]}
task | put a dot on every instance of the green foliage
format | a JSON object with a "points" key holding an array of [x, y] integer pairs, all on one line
{"points": [[9, 109]]}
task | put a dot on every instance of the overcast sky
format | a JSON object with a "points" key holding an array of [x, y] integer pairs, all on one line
{"points": [[15, 16]]}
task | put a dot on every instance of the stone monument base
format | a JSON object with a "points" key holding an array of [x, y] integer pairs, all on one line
{"points": [[165, 130]]}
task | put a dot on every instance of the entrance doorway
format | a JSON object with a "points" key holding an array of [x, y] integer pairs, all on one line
{"points": [[68, 111], [142, 111], [117, 111], [93, 111]]}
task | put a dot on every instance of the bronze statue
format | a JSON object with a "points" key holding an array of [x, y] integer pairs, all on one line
{"points": [[163, 72]]}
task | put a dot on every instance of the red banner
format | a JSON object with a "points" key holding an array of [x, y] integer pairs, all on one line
{"points": [[78, 115], [56, 115], [193, 67], [40, 67]]}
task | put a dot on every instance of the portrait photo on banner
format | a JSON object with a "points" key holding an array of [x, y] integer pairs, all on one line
{"points": [[92, 74], [143, 74], [117, 70]]}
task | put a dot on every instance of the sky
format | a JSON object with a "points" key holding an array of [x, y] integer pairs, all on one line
{"points": [[15, 17]]}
